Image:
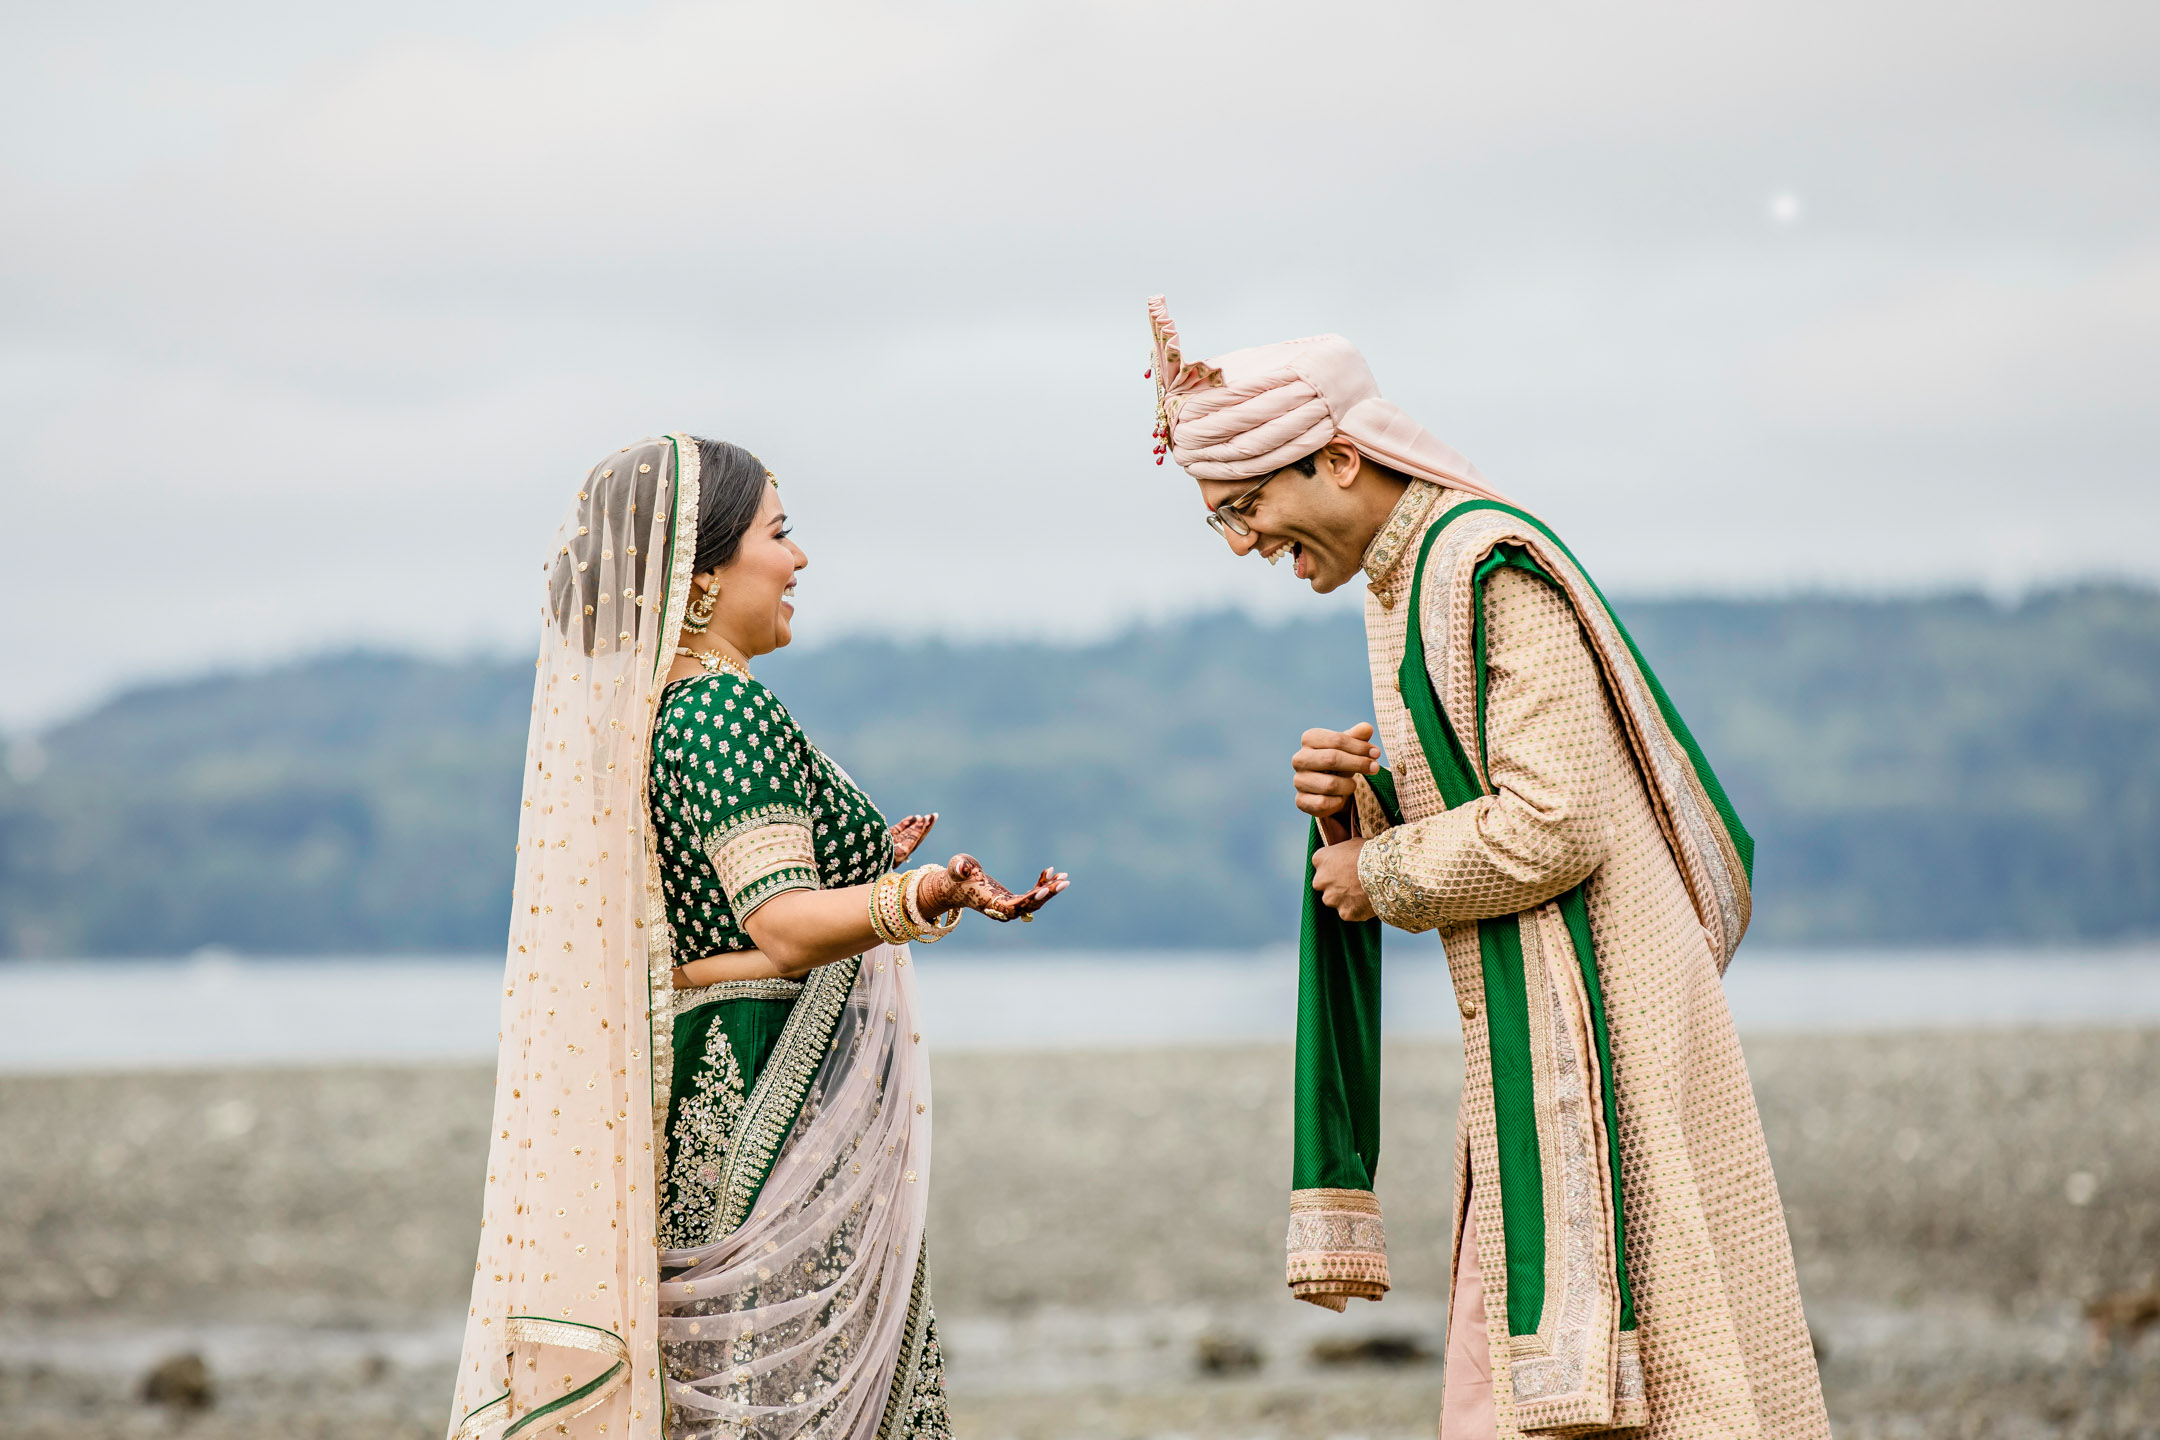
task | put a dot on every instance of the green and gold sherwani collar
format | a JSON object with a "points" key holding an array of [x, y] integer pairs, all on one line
{"points": [[1385, 574]]}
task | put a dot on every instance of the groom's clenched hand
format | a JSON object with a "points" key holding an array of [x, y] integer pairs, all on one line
{"points": [[1335, 877], [1324, 764]]}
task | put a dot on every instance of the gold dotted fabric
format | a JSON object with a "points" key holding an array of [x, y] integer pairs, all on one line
{"points": [[1724, 1344], [1554, 754], [564, 1275]]}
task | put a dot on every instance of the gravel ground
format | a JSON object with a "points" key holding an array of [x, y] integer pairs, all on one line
{"points": [[1105, 1238]]}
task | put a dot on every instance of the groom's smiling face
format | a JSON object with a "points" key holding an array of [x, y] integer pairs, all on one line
{"points": [[1313, 518]]}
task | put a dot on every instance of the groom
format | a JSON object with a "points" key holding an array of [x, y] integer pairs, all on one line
{"points": [[1621, 1258]]}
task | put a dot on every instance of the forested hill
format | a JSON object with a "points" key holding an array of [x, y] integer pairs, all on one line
{"points": [[1937, 770]]}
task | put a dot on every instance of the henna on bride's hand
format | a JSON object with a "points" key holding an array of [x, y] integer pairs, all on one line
{"points": [[908, 833], [938, 892], [1052, 883], [967, 884]]}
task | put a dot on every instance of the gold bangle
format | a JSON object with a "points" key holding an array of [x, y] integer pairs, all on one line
{"points": [[896, 922], [883, 911], [877, 921], [929, 932]]}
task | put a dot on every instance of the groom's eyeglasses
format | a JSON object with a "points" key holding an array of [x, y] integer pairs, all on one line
{"points": [[1224, 520]]}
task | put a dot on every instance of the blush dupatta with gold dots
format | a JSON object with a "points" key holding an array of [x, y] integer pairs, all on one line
{"points": [[797, 1319]]}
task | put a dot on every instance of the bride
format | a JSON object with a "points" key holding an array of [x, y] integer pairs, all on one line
{"points": [[709, 1166]]}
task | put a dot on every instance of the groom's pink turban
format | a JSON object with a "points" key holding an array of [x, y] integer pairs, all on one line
{"points": [[1249, 413]]}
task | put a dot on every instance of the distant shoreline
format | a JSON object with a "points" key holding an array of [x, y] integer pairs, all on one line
{"points": [[1933, 770], [208, 1011]]}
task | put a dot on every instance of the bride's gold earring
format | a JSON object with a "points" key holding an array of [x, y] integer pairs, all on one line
{"points": [[699, 613]]}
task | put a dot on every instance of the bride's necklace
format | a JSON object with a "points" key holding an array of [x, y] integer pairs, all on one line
{"points": [[712, 662]]}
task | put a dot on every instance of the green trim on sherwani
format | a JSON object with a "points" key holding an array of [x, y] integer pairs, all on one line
{"points": [[1558, 826]]}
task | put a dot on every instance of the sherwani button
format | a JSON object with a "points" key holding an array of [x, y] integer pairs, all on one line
{"points": [[1469, 1009]]}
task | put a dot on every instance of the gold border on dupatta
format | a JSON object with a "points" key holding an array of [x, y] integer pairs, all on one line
{"points": [[776, 1100], [907, 1371], [659, 939]]}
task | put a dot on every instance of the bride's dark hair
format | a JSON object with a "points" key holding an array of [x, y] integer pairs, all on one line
{"points": [[731, 486]]}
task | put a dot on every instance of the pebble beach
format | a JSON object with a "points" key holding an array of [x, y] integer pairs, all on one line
{"points": [[285, 1252]]}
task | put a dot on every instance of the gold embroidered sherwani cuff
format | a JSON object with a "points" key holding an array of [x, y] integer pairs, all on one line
{"points": [[1337, 1247], [1385, 869], [758, 863]]}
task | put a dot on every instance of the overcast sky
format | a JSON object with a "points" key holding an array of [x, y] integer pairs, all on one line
{"points": [[311, 317]]}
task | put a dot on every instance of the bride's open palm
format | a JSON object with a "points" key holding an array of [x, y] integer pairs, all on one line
{"points": [[964, 884]]}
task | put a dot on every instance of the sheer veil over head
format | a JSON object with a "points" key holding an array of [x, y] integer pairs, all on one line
{"points": [[564, 1322]]}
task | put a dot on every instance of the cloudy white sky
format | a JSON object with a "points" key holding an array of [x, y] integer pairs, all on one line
{"points": [[311, 316]]}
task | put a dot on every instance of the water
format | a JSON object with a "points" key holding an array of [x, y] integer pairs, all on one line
{"points": [[217, 1010]]}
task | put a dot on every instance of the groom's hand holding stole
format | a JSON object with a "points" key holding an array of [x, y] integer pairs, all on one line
{"points": [[1325, 771]]}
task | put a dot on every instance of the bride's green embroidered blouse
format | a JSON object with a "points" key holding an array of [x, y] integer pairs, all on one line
{"points": [[745, 808]]}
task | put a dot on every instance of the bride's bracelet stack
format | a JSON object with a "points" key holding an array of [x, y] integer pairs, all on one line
{"points": [[887, 909], [896, 917], [929, 931]]}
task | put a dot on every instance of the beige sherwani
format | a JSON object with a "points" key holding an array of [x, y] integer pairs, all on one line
{"points": [[1724, 1348]]}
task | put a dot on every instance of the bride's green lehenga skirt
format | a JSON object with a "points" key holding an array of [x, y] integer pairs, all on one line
{"points": [[722, 1046]]}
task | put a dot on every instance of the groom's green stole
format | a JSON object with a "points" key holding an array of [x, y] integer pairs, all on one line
{"points": [[1337, 1248], [1555, 1115]]}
